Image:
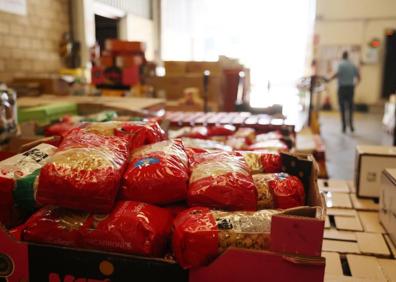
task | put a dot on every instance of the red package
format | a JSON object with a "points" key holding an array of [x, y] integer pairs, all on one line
{"points": [[85, 172], [157, 173], [221, 130], [287, 190], [247, 133], [205, 145], [201, 234], [59, 129], [198, 132], [55, 226], [221, 180], [175, 209], [272, 135], [262, 161], [132, 227], [139, 133], [142, 133], [272, 162]]}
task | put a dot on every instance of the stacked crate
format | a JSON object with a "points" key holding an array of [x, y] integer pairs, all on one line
{"points": [[120, 64]]}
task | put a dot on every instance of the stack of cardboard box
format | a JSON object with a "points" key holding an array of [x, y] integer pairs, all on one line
{"points": [[119, 64]]}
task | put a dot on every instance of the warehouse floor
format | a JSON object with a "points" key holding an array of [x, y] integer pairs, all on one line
{"points": [[340, 148]]}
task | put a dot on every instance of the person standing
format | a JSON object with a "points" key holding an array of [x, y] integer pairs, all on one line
{"points": [[348, 76]]}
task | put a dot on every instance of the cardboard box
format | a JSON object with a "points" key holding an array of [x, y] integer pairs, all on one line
{"points": [[199, 67], [106, 61], [175, 67], [387, 212], [369, 163], [122, 46], [294, 254]]}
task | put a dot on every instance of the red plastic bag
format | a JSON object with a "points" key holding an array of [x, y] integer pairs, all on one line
{"points": [[221, 130], [132, 227], [247, 133], [286, 191], [221, 180], [157, 173], [201, 234], [138, 133], [56, 226], [85, 172]]}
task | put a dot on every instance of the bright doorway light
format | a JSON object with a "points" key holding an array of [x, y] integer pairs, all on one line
{"points": [[270, 37]]}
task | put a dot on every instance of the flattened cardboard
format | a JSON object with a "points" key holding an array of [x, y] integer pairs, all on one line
{"points": [[333, 264], [340, 246], [365, 267], [388, 267], [341, 212], [333, 185], [338, 200], [364, 204], [335, 234], [387, 212], [327, 222], [351, 223], [372, 244], [370, 222], [391, 245]]}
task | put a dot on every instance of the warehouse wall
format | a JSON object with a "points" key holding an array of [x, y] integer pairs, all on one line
{"points": [[343, 22], [30, 43]]}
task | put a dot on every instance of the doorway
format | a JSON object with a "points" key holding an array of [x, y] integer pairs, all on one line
{"points": [[106, 28]]}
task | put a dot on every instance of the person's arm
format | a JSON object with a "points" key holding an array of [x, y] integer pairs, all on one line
{"points": [[332, 77]]}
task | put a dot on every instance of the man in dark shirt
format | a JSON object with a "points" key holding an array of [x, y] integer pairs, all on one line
{"points": [[348, 76]]}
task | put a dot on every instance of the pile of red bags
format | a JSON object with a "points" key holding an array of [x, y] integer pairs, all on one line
{"points": [[85, 172], [157, 173], [131, 227], [221, 180], [262, 161]]}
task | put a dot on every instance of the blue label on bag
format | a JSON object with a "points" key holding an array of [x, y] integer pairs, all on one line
{"points": [[146, 162]]}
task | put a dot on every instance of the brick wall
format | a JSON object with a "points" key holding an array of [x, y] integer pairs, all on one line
{"points": [[29, 44]]}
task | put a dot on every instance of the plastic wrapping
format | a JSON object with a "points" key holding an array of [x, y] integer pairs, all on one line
{"points": [[286, 191], [221, 130], [200, 234], [247, 133], [157, 173], [138, 133], [132, 227], [262, 161], [221, 180], [18, 179], [273, 145], [85, 172], [205, 144]]}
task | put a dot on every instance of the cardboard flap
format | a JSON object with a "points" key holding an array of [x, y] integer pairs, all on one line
{"points": [[248, 265], [13, 258], [296, 235]]}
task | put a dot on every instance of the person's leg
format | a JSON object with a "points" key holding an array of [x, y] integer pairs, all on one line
{"points": [[351, 107], [341, 102]]}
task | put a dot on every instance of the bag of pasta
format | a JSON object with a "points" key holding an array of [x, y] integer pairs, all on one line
{"points": [[201, 234], [85, 172], [221, 180], [157, 173], [131, 227], [279, 191], [263, 161]]}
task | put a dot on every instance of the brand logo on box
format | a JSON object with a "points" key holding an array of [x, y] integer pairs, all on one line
{"points": [[55, 277]]}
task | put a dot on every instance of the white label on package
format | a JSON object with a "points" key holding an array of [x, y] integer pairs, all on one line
{"points": [[27, 162]]}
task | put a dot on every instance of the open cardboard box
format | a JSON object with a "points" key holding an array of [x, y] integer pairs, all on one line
{"points": [[294, 254]]}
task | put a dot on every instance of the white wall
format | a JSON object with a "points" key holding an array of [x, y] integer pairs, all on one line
{"points": [[344, 22]]}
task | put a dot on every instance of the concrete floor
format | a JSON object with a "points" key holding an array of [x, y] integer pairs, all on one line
{"points": [[340, 148]]}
